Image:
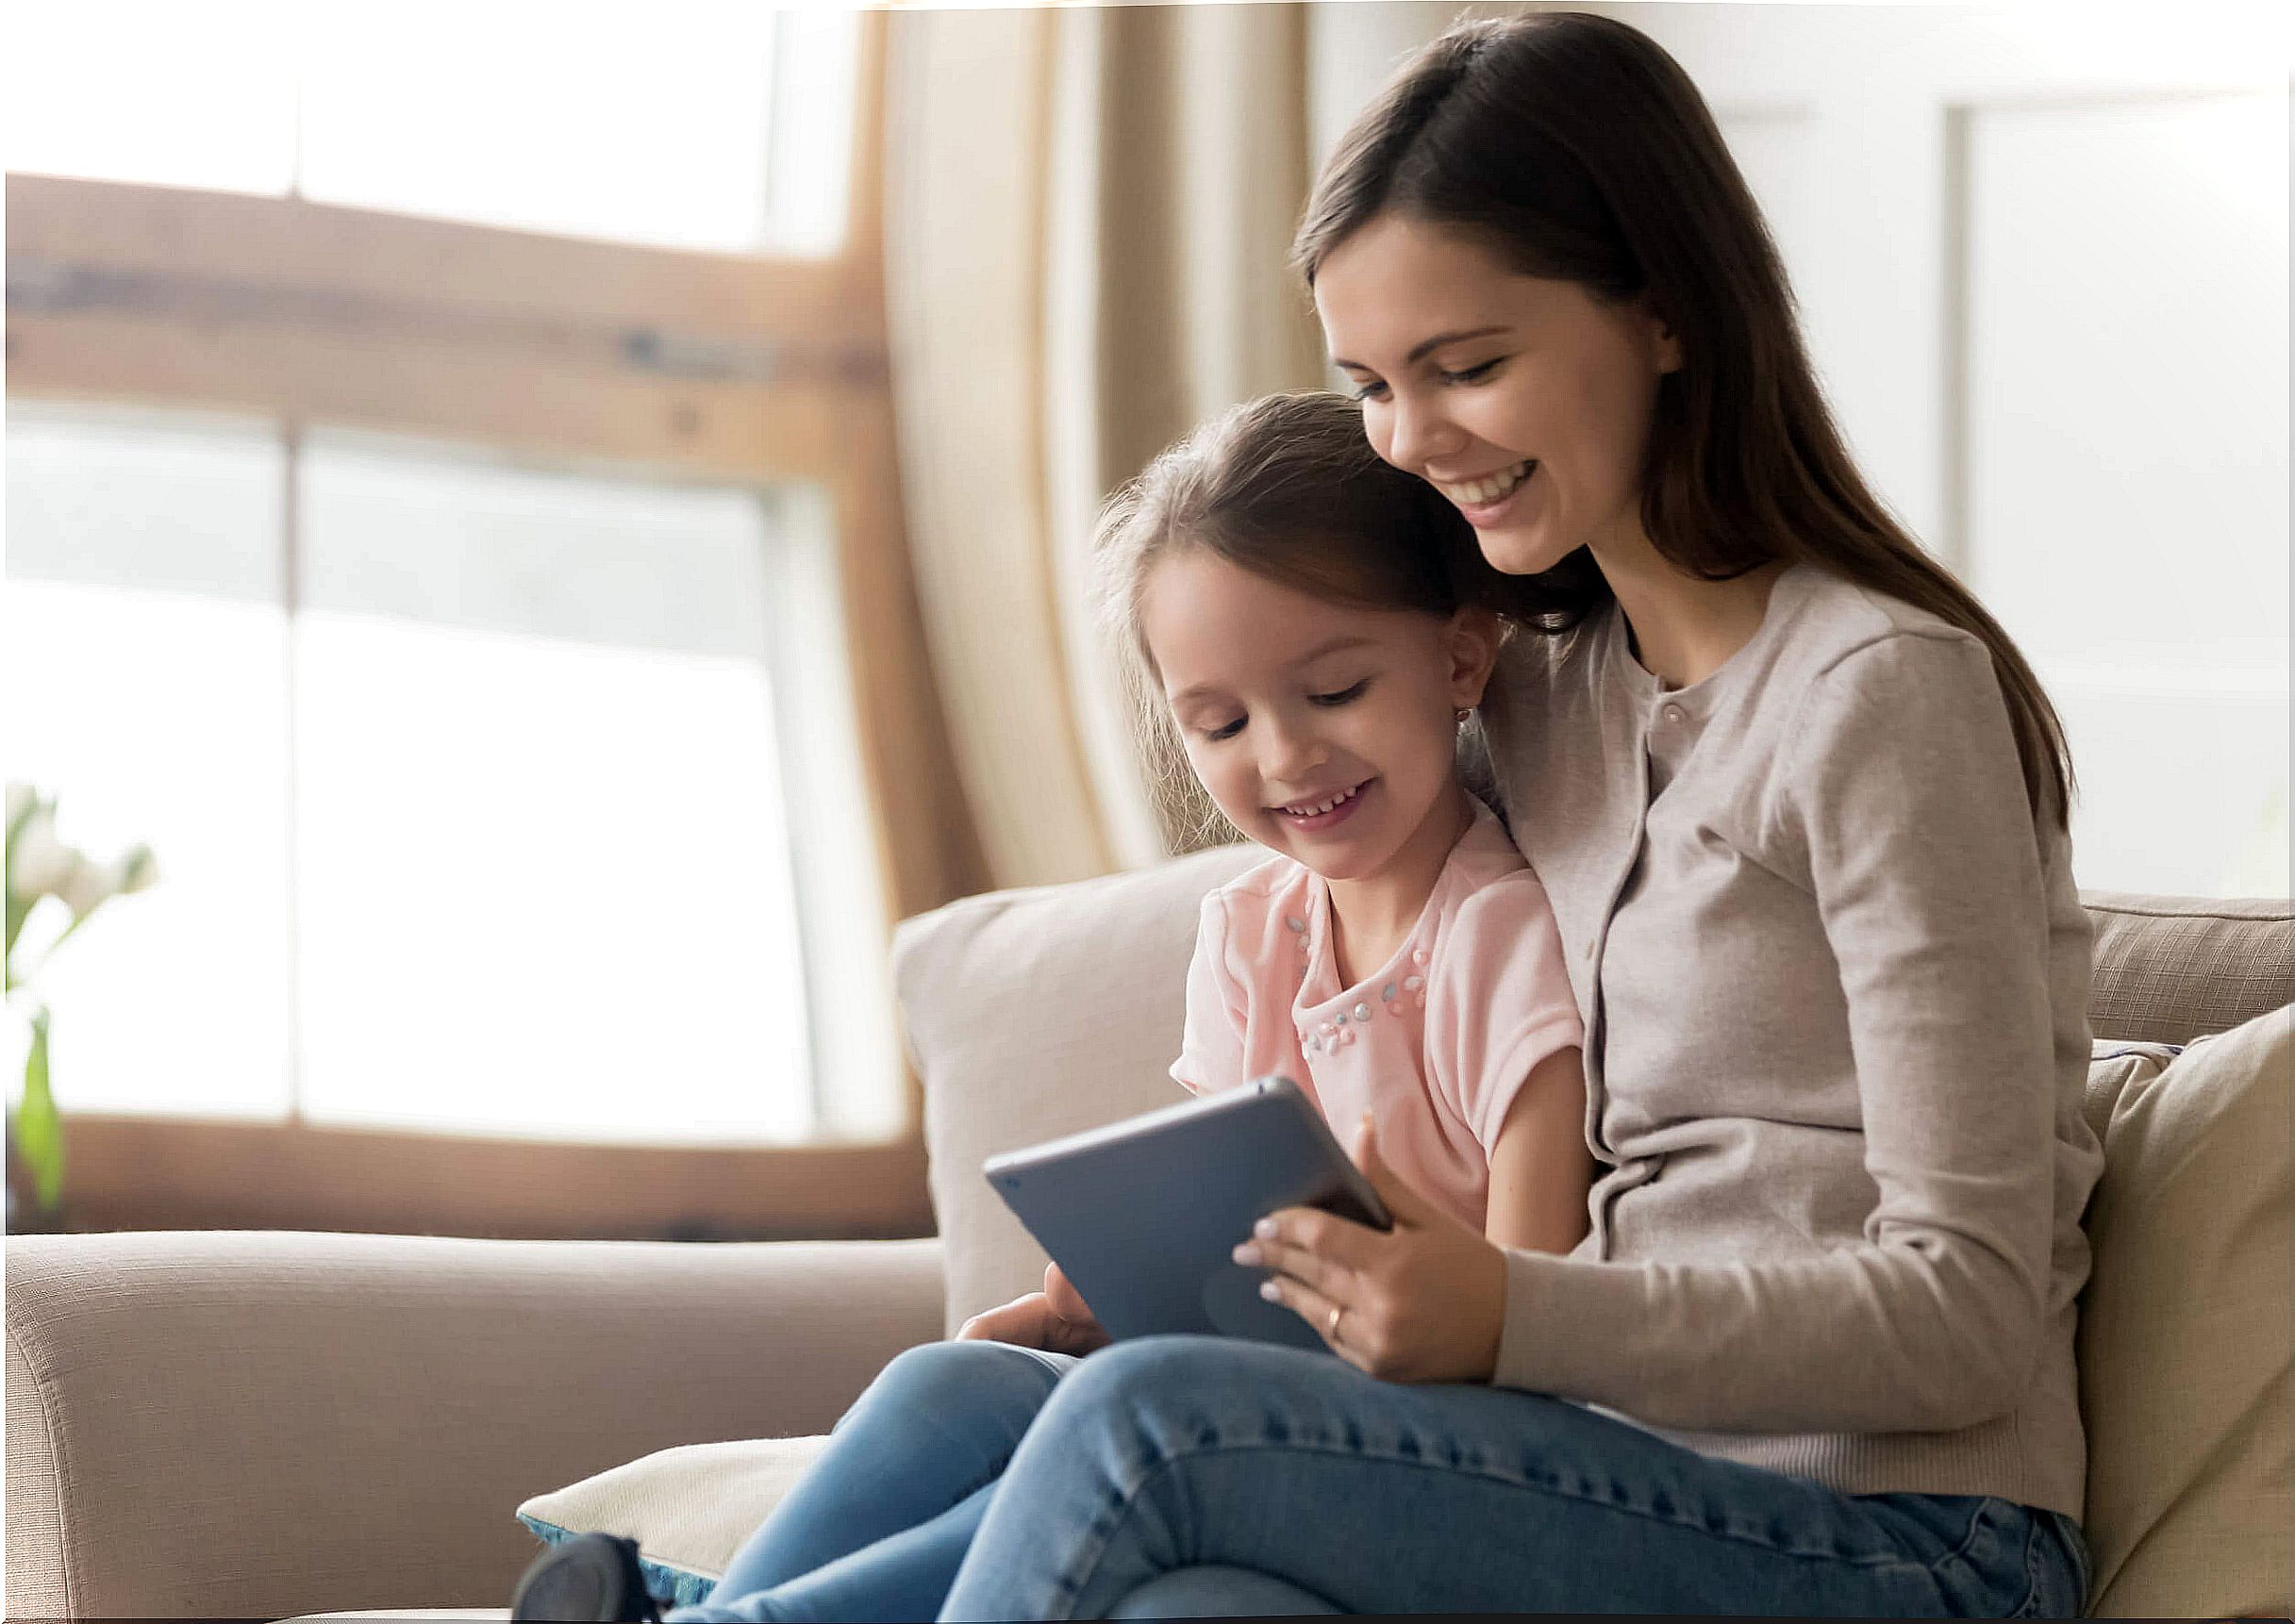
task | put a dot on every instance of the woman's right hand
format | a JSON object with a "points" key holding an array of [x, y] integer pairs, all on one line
{"points": [[1056, 1318]]}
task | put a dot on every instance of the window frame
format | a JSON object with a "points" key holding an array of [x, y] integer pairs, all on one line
{"points": [[739, 368]]}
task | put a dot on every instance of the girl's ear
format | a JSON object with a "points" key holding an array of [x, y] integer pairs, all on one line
{"points": [[1471, 638]]}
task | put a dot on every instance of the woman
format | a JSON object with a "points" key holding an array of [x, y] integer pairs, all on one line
{"points": [[1799, 806]]}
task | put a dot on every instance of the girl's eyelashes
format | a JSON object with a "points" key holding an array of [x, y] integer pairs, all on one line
{"points": [[1328, 701], [1370, 391]]}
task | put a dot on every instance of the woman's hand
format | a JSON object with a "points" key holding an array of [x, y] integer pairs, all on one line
{"points": [[1056, 1318], [1423, 1301]]}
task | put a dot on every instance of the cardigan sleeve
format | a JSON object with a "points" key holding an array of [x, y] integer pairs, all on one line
{"points": [[1901, 794]]}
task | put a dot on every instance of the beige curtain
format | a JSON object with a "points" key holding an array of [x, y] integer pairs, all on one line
{"points": [[1088, 212]]}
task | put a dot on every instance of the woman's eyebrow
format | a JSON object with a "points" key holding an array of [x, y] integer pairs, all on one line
{"points": [[1427, 346]]}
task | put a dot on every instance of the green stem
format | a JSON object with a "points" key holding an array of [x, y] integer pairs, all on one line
{"points": [[38, 1126]]}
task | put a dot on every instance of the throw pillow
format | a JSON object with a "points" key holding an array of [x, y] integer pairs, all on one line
{"points": [[1036, 1013], [2186, 1346], [689, 1508]]}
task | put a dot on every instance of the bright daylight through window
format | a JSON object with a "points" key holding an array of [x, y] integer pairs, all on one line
{"points": [[468, 769]]}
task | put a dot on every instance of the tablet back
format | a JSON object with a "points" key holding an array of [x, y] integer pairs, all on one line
{"points": [[1141, 1215]]}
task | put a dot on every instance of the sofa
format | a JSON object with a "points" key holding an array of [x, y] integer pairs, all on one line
{"points": [[225, 1424]]}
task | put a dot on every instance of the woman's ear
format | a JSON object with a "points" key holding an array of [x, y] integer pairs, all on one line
{"points": [[1666, 343], [1471, 638]]}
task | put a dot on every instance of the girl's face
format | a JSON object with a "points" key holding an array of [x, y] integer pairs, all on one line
{"points": [[1525, 401], [1324, 732]]}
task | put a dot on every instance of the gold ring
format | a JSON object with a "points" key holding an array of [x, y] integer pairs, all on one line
{"points": [[1330, 1329]]}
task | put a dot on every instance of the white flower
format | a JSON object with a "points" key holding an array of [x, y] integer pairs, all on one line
{"points": [[87, 885], [20, 798], [138, 870], [38, 863]]}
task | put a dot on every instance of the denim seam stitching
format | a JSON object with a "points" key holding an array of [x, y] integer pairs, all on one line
{"points": [[1068, 1588], [1967, 1541]]}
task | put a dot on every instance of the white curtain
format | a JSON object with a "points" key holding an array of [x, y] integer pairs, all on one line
{"points": [[1087, 214]]}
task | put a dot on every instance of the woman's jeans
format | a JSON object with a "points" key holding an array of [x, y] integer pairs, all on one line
{"points": [[1196, 1476]]}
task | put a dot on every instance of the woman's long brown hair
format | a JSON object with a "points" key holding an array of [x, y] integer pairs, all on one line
{"points": [[1573, 147]]}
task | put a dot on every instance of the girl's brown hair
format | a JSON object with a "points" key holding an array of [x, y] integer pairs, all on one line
{"points": [[1287, 488], [1574, 148]]}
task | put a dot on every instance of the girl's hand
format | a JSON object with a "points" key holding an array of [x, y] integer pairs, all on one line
{"points": [[1423, 1301], [1056, 1318]]}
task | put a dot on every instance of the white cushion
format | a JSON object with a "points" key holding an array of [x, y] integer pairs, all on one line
{"points": [[2186, 1343], [689, 1508], [428, 1614]]}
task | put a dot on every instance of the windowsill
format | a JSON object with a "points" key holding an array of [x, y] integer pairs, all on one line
{"points": [[125, 1173]]}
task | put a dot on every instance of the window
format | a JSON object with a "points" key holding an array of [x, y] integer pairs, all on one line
{"points": [[696, 124], [501, 637]]}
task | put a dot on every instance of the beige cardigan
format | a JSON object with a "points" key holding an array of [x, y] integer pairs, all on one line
{"points": [[1835, 990]]}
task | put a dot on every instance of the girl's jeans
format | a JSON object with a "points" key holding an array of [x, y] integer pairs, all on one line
{"points": [[1194, 1476]]}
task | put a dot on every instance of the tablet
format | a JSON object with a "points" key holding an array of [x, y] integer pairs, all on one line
{"points": [[1142, 1214]]}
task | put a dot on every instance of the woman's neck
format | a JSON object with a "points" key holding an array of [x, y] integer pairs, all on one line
{"points": [[1684, 628], [1371, 916]]}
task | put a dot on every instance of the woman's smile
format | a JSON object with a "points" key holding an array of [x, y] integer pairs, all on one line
{"points": [[1496, 500], [1460, 360]]}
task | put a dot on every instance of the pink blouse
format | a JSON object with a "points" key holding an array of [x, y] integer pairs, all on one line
{"points": [[1433, 1044]]}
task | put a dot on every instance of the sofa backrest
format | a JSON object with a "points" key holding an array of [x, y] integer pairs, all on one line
{"points": [[1035, 1013], [2168, 969]]}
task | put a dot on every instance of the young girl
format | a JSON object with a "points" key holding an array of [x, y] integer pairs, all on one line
{"points": [[1303, 620], [1308, 622]]}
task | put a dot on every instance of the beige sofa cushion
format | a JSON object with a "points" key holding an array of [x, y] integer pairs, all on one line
{"points": [[1035, 1013], [236, 1424], [2187, 1345], [2168, 969]]}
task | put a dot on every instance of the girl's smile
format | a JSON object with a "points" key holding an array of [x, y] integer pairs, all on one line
{"points": [[1312, 815]]}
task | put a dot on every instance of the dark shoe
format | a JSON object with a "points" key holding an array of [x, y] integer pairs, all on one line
{"points": [[589, 1577]]}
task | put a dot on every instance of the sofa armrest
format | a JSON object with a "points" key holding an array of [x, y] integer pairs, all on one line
{"points": [[260, 1424]]}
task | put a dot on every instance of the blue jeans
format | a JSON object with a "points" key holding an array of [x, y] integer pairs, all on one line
{"points": [[1196, 1476]]}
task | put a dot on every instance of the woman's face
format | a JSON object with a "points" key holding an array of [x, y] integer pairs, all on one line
{"points": [[1525, 401]]}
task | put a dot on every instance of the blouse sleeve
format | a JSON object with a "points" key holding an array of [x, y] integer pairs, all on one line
{"points": [[1903, 795], [1211, 1044], [1499, 1002]]}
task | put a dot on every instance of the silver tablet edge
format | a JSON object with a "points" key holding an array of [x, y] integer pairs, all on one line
{"points": [[1192, 1109]]}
